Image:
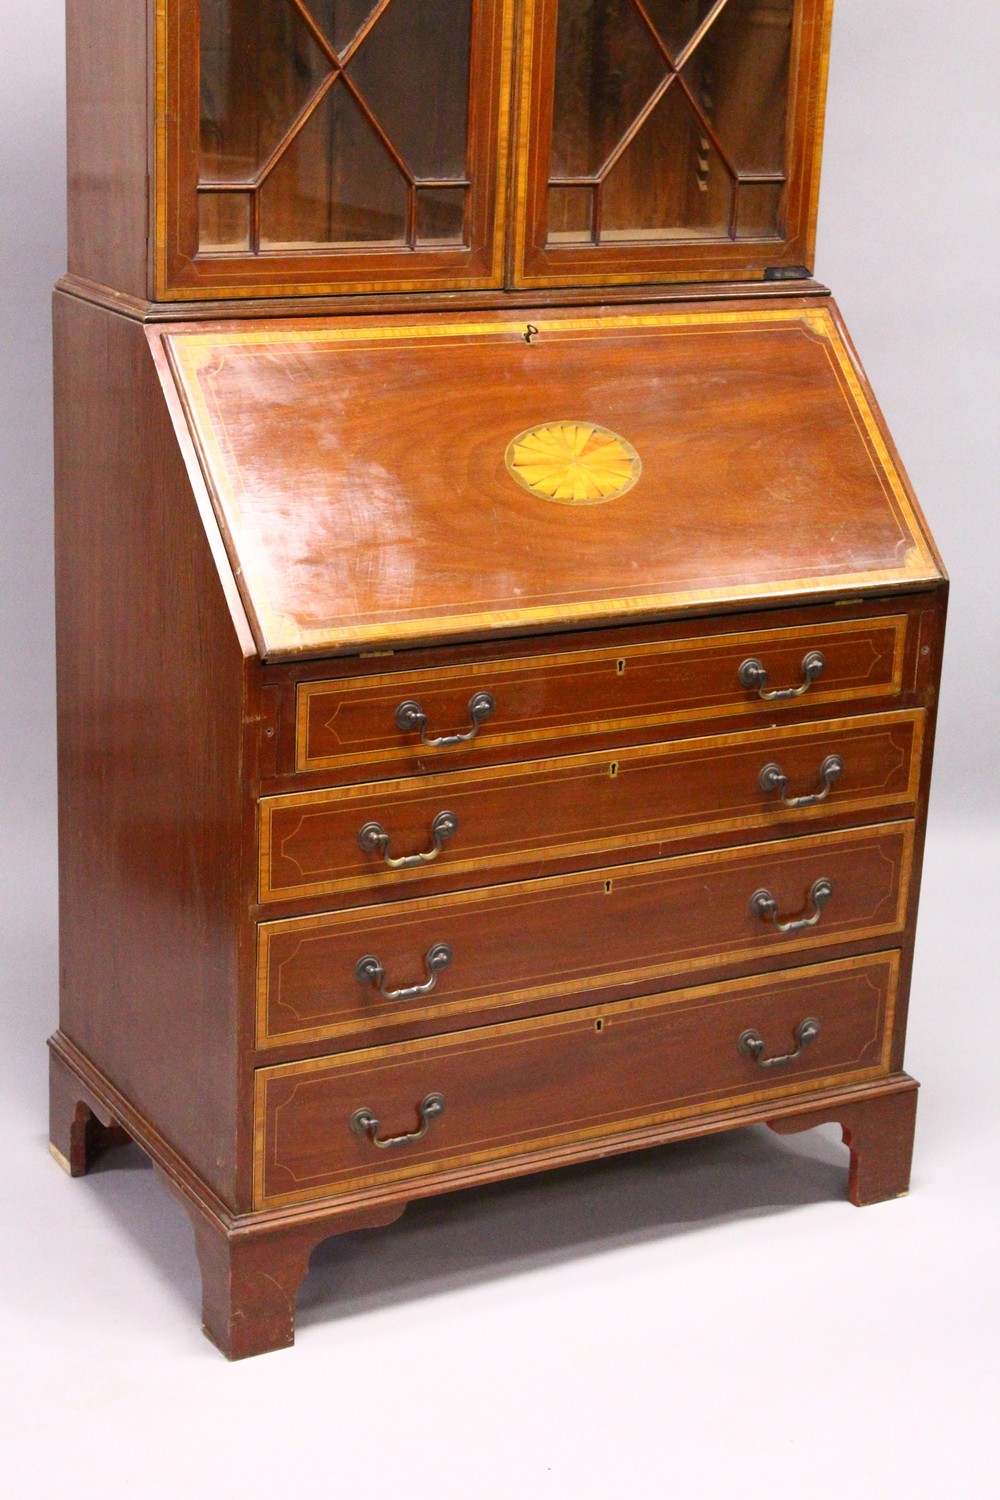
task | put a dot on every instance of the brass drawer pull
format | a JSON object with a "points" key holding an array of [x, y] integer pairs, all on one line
{"points": [[369, 970], [763, 905], [751, 1044], [374, 839], [753, 674], [410, 716], [363, 1122], [773, 779]]}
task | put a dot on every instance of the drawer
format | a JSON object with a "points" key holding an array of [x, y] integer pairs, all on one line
{"points": [[556, 1081], [501, 822], [540, 943], [355, 725]]}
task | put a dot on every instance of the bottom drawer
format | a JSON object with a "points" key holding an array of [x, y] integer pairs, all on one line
{"points": [[500, 1091]]}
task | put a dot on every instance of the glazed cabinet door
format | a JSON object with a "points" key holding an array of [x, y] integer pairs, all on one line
{"points": [[330, 145], [668, 139]]}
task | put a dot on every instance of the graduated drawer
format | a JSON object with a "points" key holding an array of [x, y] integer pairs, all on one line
{"points": [[552, 1082], [545, 942], [350, 725], [499, 822]]}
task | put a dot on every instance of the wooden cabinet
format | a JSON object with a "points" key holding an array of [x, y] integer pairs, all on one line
{"points": [[353, 146], [668, 139], [498, 643], [364, 146]]}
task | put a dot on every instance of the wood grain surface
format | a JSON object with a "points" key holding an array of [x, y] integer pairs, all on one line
{"points": [[155, 767], [552, 1079], [513, 821], [542, 942], [583, 690], [107, 126], [556, 697], [356, 520]]}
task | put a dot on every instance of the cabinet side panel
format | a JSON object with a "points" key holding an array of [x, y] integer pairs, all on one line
{"points": [[153, 791], [106, 128]]}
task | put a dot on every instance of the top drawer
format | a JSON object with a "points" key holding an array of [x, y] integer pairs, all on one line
{"points": [[505, 708]]}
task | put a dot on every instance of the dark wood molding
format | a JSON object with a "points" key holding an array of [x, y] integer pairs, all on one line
{"points": [[145, 311]]}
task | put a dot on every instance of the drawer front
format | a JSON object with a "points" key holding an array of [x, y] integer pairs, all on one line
{"points": [[534, 1085], [540, 942], [351, 724], [500, 822]]}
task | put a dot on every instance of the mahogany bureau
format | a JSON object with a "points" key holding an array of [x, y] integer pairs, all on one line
{"points": [[498, 644]]}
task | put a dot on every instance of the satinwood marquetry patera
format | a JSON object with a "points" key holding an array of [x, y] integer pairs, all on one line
{"points": [[575, 463], [498, 643]]}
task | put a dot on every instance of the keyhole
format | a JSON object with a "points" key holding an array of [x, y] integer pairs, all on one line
{"points": [[598, 1025], [607, 887], [613, 769], [620, 666]]}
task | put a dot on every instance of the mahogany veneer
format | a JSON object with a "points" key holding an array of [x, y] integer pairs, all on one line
{"points": [[603, 931], [515, 820], [568, 1078], [638, 686], [497, 682]]}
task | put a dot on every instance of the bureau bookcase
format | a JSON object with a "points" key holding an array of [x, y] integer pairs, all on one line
{"points": [[498, 644]]}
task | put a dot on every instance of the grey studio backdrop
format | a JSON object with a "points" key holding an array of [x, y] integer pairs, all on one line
{"points": [[524, 1302]]}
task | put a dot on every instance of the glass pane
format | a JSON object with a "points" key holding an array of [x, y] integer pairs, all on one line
{"points": [[340, 20], [669, 183], [676, 21], [335, 184], [224, 221], [739, 74], [413, 70], [758, 210], [607, 67], [571, 214], [441, 214], [259, 66]]}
